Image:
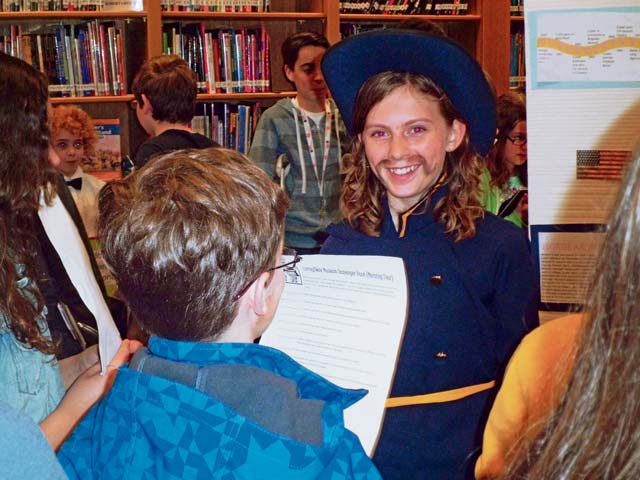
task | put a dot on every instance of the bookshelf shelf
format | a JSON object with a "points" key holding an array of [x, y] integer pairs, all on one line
{"points": [[364, 17], [483, 31], [249, 97], [243, 16], [85, 15], [89, 99]]}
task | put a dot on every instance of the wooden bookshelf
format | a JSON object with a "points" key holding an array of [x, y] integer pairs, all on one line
{"points": [[484, 31]]}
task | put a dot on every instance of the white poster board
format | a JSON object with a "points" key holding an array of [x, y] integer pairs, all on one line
{"points": [[343, 317], [583, 121]]}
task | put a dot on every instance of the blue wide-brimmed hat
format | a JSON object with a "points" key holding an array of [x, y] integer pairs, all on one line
{"points": [[347, 65]]}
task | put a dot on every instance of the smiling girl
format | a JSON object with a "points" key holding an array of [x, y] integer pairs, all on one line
{"points": [[411, 192]]}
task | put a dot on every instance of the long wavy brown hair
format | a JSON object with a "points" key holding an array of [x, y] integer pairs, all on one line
{"points": [[362, 192], [24, 170], [511, 110], [595, 431]]}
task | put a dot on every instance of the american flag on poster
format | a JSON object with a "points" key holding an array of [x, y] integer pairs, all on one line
{"points": [[601, 164]]}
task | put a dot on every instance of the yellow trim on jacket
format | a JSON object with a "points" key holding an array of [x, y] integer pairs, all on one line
{"points": [[439, 397]]}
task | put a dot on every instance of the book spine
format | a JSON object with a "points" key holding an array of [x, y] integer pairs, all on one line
{"points": [[113, 67], [104, 58], [120, 58], [205, 57], [59, 60], [71, 70], [211, 73], [95, 58]]}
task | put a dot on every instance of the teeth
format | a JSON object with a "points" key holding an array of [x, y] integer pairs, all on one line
{"points": [[403, 171]]}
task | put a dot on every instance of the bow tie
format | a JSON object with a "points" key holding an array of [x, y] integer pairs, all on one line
{"points": [[75, 183]]}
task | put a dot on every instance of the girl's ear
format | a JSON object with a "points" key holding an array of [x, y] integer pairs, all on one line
{"points": [[456, 134]]}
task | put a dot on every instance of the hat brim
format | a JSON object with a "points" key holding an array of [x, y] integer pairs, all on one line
{"points": [[347, 65]]}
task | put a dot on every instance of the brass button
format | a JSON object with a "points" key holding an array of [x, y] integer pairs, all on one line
{"points": [[441, 355], [436, 280]]}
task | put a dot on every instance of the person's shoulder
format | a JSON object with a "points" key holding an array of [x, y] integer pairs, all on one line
{"points": [[24, 450], [342, 236], [93, 180], [203, 141], [559, 334], [278, 109], [500, 232], [343, 231], [146, 150]]}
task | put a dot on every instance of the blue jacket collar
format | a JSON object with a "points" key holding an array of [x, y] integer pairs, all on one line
{"points": [[416, 217], [310, 383]]}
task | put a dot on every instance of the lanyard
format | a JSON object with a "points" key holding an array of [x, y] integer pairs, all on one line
{"points": [[327, 144]]}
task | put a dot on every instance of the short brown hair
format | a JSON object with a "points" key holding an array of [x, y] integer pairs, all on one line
{"points": [[185, 233], [76, 121], [296, 42], [171, 87]]}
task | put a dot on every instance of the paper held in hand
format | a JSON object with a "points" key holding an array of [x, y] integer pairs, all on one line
{"points": [[343, 317]]}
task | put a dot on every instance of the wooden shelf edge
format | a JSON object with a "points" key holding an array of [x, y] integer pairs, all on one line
{"points": [[96, 99], [219, 97], [369, 17], [75, 14], [243, 96], [244, 15]]}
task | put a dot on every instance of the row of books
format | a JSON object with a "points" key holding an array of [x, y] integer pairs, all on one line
{"points": [[79, 60], [70, 5], [225, 60], [230, 125], [350, 29], [407, 7], [229, 6], [517, 74], [517, 8]]}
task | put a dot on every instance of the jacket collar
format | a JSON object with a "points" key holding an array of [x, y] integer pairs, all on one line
{"points": [[311, 385], [418, 216]]}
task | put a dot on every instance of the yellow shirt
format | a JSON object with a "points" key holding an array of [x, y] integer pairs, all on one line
{"points": [[533, 384]]}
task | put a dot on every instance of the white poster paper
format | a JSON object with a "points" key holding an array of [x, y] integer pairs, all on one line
{"points": [[343, 317], [583, 110]]}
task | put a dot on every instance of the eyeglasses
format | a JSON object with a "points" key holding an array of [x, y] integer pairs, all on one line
{"points": [[518, 140], [286, 266]]}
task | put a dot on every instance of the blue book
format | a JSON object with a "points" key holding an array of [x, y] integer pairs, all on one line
{"points": [[60, 61], [243, 128]]}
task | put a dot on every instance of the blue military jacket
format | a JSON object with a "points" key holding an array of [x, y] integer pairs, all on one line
{"points": [[261, 423], [470, 303]]}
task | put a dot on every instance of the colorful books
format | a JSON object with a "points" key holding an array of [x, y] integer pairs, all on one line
{"points": [[82, 59], [70, 5], [231, 125], [407, 7], [228, 6], [225, 60]]}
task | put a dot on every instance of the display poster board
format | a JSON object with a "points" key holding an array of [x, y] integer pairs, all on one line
{"points": [[583, 122]]}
